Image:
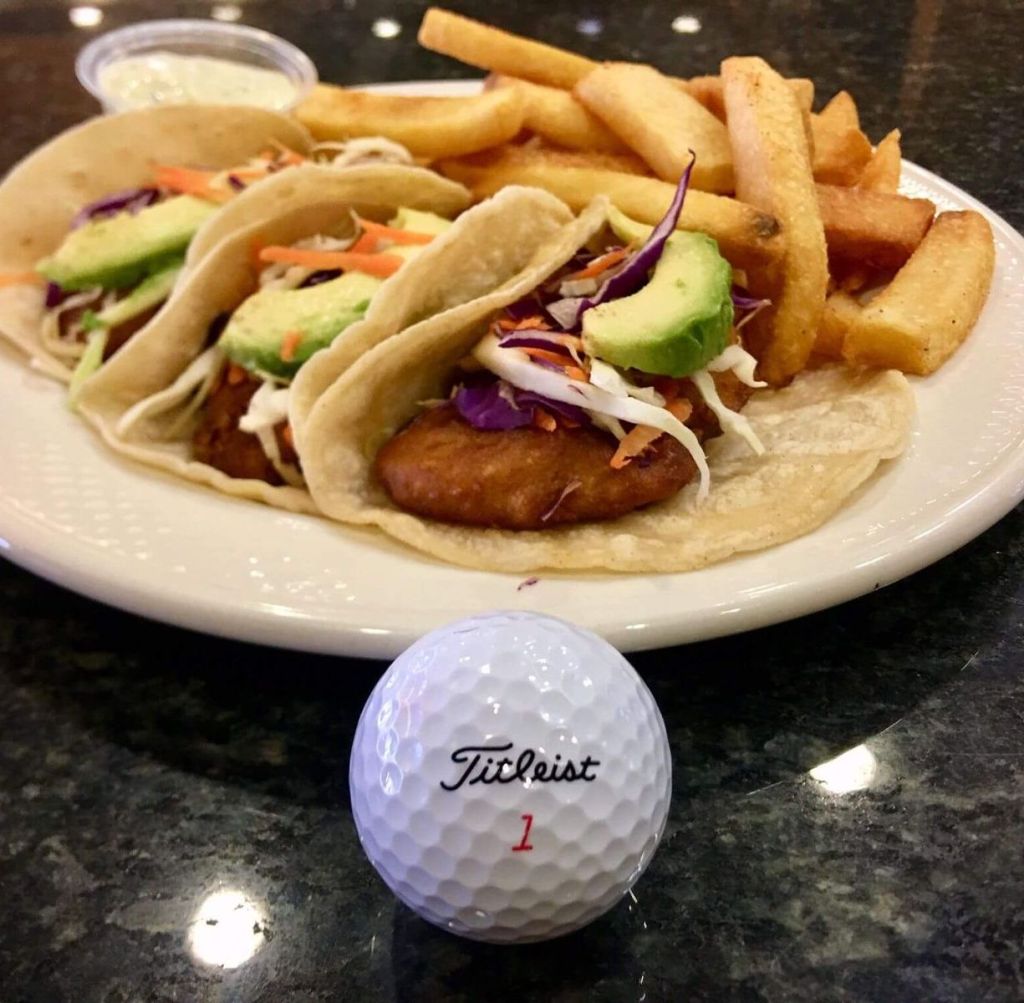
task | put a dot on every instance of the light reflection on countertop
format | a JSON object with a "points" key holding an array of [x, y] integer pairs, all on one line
{"points": [[227, 929], [853, 770]]}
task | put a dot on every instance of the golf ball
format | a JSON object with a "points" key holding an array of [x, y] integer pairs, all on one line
{"points": [[510, 777]]}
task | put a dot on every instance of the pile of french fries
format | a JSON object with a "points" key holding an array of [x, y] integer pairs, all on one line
{"points": [[802, 205]]}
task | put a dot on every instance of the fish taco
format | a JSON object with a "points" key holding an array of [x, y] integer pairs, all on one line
{"points": [[599, 411], [216, 389], [95, 226]]}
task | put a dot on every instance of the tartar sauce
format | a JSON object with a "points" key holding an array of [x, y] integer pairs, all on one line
{"points": [[168, 78]]}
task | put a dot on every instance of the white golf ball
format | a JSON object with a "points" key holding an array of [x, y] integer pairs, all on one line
{"points": [[510, 777]]}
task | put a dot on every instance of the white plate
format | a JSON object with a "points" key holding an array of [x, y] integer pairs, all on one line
{"points": [[125, 535]]}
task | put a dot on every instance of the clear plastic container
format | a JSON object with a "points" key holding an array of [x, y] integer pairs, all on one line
{"points": [[232, 42]]}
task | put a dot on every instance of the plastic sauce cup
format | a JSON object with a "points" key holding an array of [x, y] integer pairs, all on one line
{"points": [[233, 43]]}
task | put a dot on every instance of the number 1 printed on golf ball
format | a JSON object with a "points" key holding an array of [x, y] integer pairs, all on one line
{"points": [[523, 844]]}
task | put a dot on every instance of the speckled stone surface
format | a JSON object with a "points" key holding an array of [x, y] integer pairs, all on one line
{"points": [[150, 777]]}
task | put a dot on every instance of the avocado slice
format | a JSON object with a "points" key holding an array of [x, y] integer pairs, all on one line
{"points": [[89, 363], [255, 334], [118, 251], [150, 292], [418, 221], [627, 229], [675, 324]]}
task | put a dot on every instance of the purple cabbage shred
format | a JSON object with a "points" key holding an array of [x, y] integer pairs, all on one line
{"points": [[563, 410], [132, 200], [54, 295], [485, 408], [531, 338], [319, 276], [636, 272], [528, 306], [497, 406], [741, 301]]}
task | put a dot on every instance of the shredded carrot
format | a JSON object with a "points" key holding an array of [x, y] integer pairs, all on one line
{"points": [[236, 374], [21, 279], [381, 265], [366, 244], [183, 174], [536, 323], [286, 435], [249, 172], [640, 437], [382, 232], [598, 265], [682, 409], [187, 181], [256, 246], [566, 365], [633, 444], [290, 345], [543, 420]]}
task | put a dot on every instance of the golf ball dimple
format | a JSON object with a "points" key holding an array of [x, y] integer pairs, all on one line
{"points": [[510, 777]]}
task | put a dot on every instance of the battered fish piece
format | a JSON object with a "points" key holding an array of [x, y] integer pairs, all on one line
{"points": [[219, 441], [440, 467]]}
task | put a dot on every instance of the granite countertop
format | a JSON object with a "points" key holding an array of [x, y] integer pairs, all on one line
{"points": [[174, 819]]}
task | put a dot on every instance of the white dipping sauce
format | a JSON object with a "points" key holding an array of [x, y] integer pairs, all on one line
{"points": [[168, 78]]}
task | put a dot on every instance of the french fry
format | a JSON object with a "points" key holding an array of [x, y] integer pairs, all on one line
{"points": [[748, 238], [882, 172], [559, 118], [708, 91], [500, 51], [840, 313], [851, 279], [773, 172], [872, 228], [427, 126], [803, 90], [919, 320], [534, 152], [865, 231], [661, 122], [841, 150]]}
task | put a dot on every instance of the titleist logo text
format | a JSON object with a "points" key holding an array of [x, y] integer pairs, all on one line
{"points": [[485, 764]]}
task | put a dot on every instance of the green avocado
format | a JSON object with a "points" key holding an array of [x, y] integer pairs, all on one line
{"points": [[675, 324], [256, 332], [150, 292], [627, 229], [120, 250], [419, 222]]}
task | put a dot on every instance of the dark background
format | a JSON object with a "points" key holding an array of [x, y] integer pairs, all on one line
{"points": [[144, 768]]}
